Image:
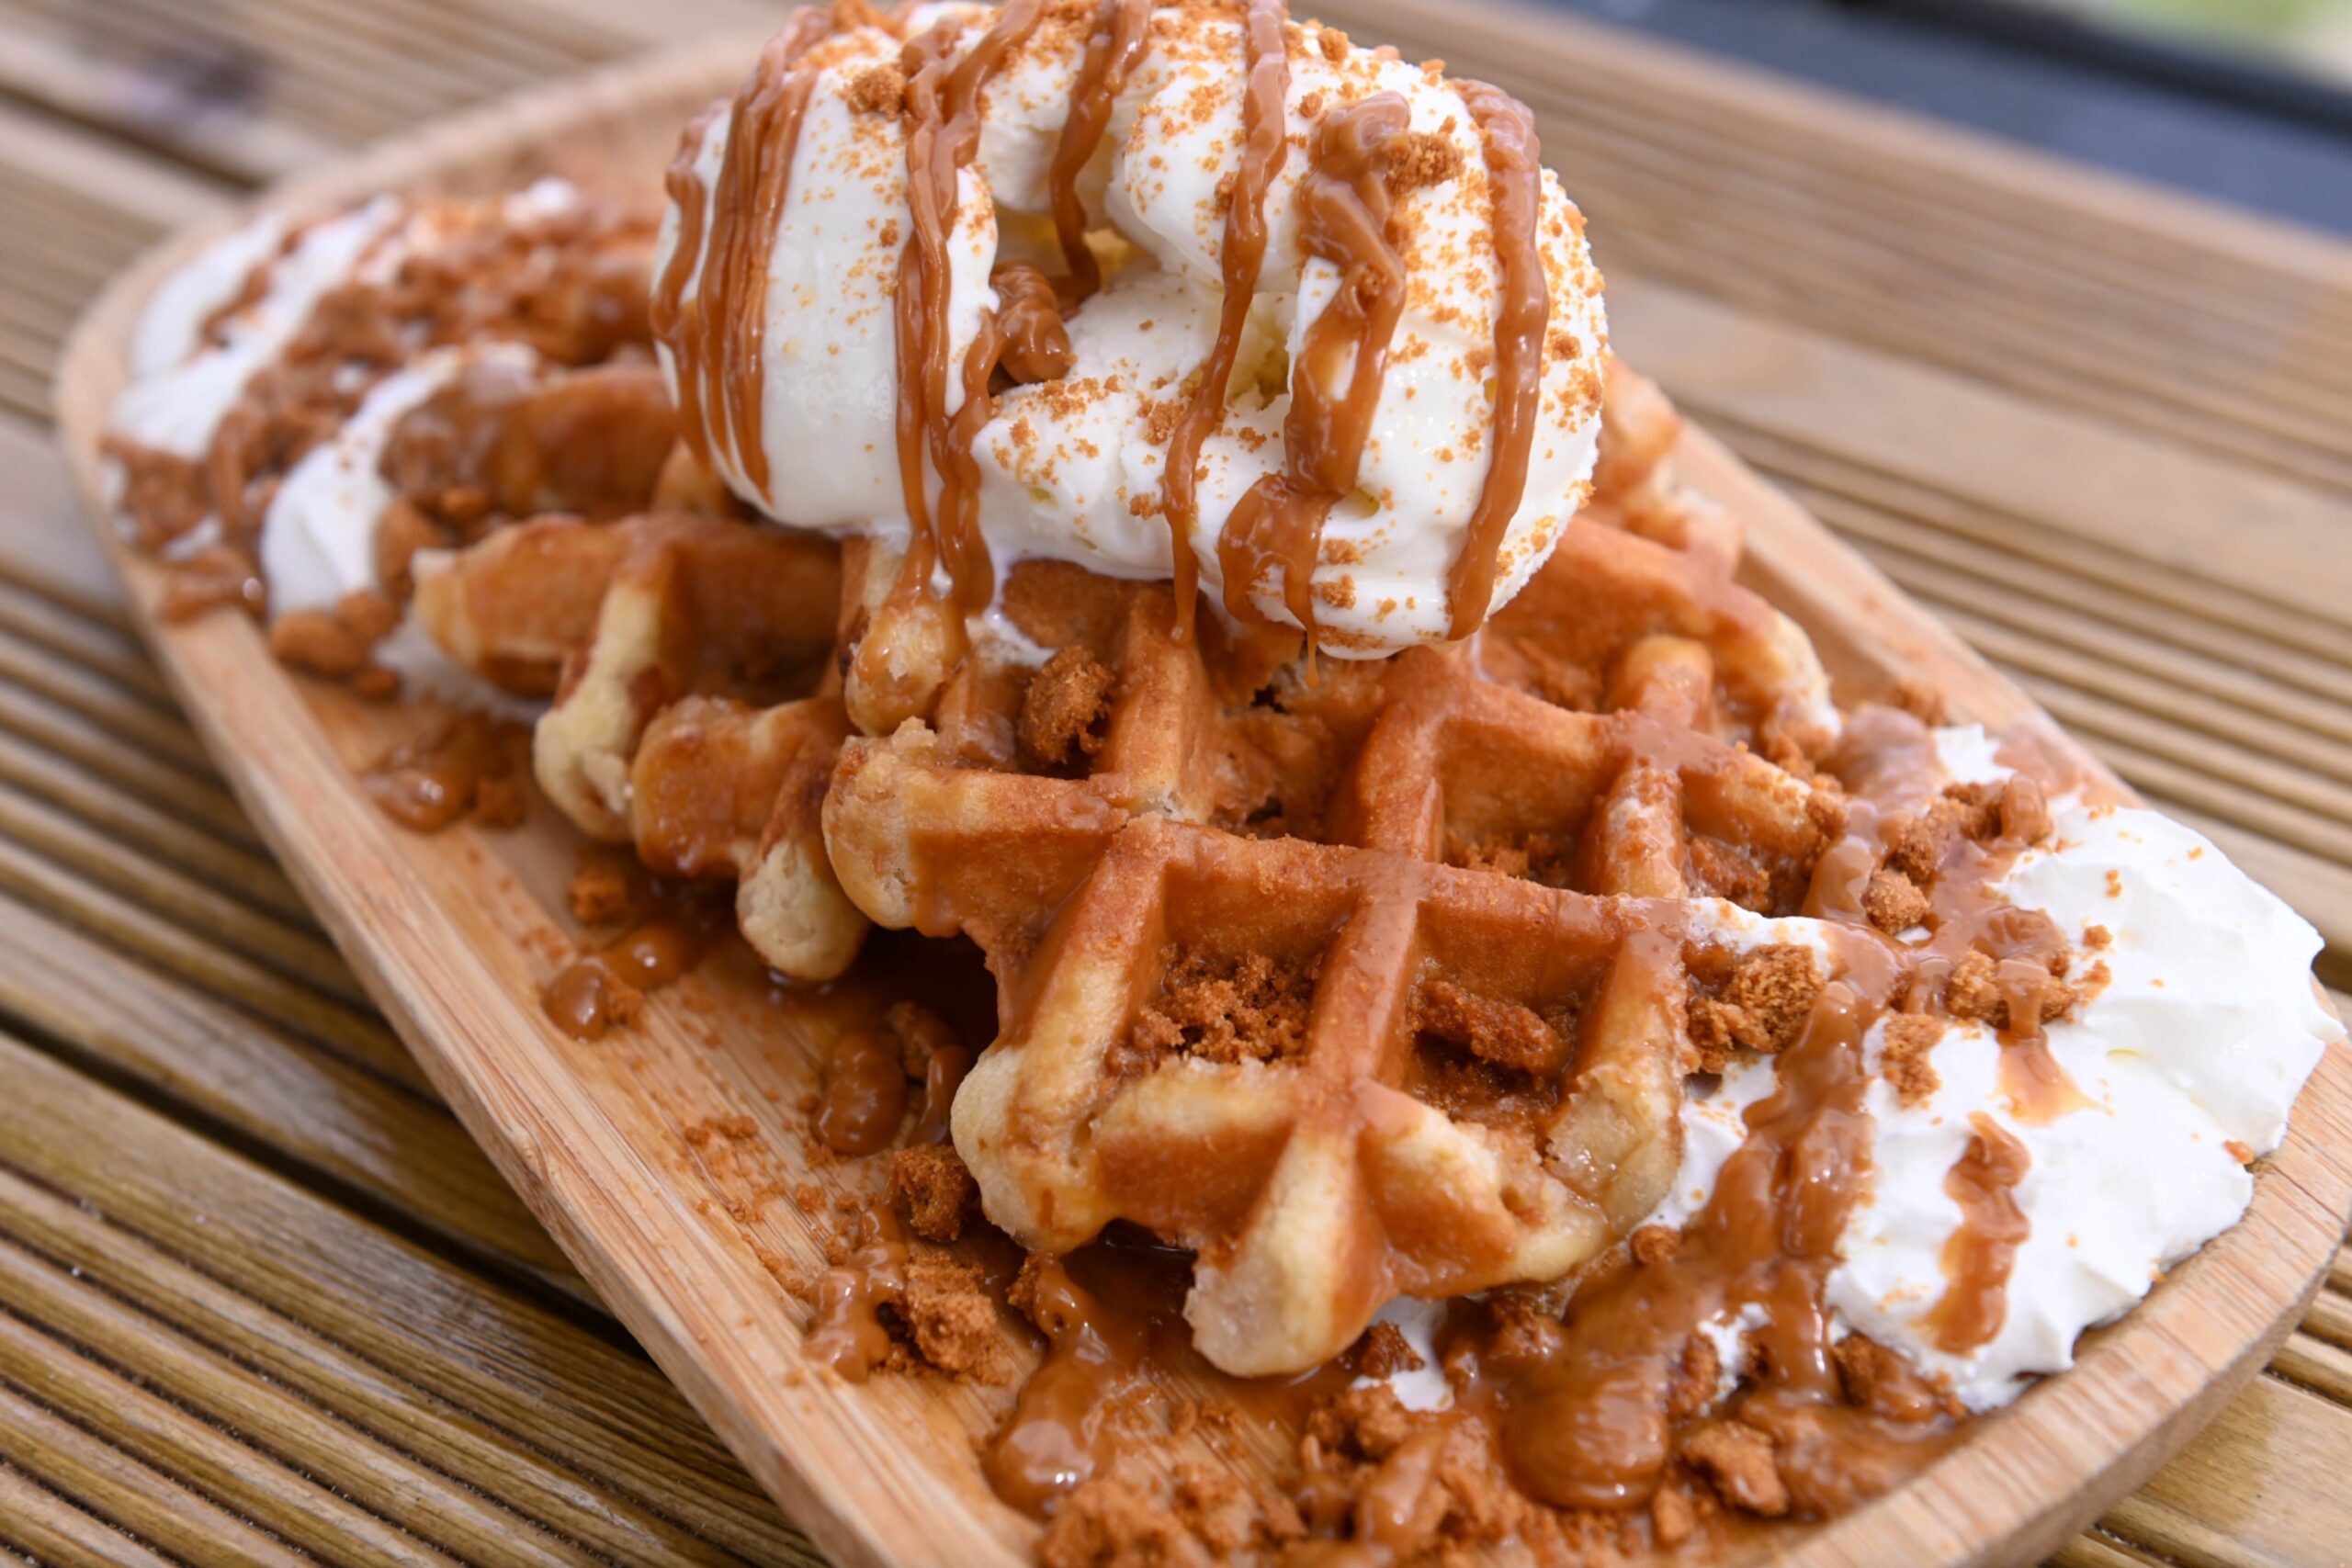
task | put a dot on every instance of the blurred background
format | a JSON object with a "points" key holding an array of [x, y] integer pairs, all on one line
{"points": [[2250, 100]]}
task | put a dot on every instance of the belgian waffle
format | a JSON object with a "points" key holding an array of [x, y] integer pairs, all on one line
{"points": [[1362, 980], [696, 710]]}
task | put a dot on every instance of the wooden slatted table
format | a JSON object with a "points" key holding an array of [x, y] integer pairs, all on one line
{"points": [[260, 1298]]}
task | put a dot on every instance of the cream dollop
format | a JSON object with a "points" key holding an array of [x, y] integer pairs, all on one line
{"points": [[2205, 1029], [1072, 469]]}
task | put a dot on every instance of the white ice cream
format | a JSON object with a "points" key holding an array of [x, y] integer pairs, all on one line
{"points": [[183, 386], [318, 538], [2205, 1032], [1072, 469]]}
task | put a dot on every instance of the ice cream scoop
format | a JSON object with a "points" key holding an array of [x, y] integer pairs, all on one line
{"points": [[1327, 335]]}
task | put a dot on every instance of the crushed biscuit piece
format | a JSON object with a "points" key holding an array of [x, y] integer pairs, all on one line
{"points": [[1921, 699], [1737, 1459], [948, 1312], [1763, 1007], [877, 89], [1909, 1038], [1112, 1521], [2025, 813], [1382, 1351], [1250, 1008], [1915, 847], [1418, 158], [932, 1191], [1673, 1518], [602, 893], [1062, 704], [1505, 1033], [1893, 902], [1654, 1245], [1366, 1423], [1691, 1382]]}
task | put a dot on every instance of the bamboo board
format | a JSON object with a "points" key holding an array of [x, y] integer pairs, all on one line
{"points": [[612, 1144]]}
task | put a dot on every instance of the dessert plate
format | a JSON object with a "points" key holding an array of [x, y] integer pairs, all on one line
{"points": [[666, 1159]]}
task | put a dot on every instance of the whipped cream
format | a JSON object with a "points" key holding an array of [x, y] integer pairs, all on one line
{"points": [[1072, 469], [2187, 1059], [318, 536]]}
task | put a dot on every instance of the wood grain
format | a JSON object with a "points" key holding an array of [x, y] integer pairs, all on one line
{"points": [[455, 933]]}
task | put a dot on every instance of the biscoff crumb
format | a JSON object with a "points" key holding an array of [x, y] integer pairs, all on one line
{"points": [[2097, 939], [1062, 704], [1538, 857], [1654, 1245], [1876, 1379], [1673, 1517], [1505, 1033], [317, 643], [1719, 871], [1737, 1459], [1893, 902], [1914, 848], [877, 89], [1921, 699], [930, 1190], [1418, 158], [1909, 1038], [1368, 1423], [2024, 811], [1691, 1382], [1974, 808], [1976, 991], [2241, 1152], [602, 893], [1113, 1522], [1762, 1008], [499, 802], [946, 1312], [1250, 1008], [1382, 1351]]}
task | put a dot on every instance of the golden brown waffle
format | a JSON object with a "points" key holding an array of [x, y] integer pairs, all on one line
{"points": [[1358, 981], [696, 713]]}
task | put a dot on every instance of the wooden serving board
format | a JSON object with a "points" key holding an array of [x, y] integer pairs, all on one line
{"points": [[662, 1158]]}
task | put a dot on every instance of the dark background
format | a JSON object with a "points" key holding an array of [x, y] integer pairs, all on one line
{"points": [[2183, 108]]}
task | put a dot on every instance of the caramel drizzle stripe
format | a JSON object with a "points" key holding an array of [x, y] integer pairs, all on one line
{"points": [[1515, 172], [667, 309], [942, 137], [1978, 1257], [723, 347], [1346, 203], [1264, 147], [1116, 46]]}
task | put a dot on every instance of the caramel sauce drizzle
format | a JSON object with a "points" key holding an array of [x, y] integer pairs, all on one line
{"points": [[1265, 146], [1121, 32], [667, 308], [1978, 1255], [1515, 174], [426, 783], [1346, 204], [598, 992], [942, 137], [720, 350]]}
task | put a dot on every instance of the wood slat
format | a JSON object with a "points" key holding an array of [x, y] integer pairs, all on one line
{"points": [[44, 1529], [170, 1201], [344, 1122], [134, 1500]]}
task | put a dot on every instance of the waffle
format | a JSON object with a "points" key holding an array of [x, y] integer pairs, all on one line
{"points": [[1359, 981], [696, 713]]}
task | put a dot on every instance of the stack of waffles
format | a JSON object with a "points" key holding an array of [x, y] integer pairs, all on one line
{"points": [[1355, 978]]}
